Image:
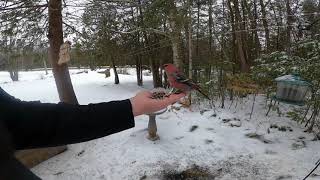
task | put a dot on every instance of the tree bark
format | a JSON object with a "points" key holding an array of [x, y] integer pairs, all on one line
{"points": [[152, 62], [45, 65], [60, 72], [233, 29], [175, 35], [211, 42], [155, 66], [239, 36], [136, 37], [190, 39], [14, 75], [116, 76], [62, 79], [255, 25], [139, 70], [289, 24], [13, 69], [155, 73], [198, 30], [265, 24], [254, 43], [244, 33]]}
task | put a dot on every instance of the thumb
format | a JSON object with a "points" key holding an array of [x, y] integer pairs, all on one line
{"points": [[175, 97]]}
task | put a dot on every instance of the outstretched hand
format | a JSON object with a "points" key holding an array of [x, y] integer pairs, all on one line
{"points": [[142, 103]]}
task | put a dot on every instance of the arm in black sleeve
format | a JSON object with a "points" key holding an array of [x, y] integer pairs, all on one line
{"points": [[12, 169], [34, 124]]}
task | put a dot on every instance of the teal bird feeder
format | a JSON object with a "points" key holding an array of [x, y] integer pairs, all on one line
{"points": [[292, 89]]}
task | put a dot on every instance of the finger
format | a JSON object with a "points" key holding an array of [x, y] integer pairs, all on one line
{"points": [[175, 97], [170, 100]]}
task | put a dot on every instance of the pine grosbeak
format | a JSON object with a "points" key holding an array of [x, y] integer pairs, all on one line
{"points": [[178, 81]]}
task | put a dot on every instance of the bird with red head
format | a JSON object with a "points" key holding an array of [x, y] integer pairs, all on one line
{"points": [[179, 82]]}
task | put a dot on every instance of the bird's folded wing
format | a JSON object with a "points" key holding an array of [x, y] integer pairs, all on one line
{"points": [[182, 79]]}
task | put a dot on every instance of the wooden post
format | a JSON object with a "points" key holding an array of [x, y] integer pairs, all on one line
{"points": [[152, 125], [152, 128]]}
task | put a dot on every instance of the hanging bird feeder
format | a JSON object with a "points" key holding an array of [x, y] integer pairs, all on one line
{"points": [[292, 89]]}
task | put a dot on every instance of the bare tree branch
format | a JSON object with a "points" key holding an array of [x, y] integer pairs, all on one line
{"points": [[23, 7], [73, 28]]}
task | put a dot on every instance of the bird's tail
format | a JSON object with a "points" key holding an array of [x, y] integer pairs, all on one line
{"points": [[200, 91], [204, 94]]}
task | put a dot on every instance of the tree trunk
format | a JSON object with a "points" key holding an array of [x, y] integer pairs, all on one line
{"points": [[278, 20], [190, 41], [45, 67], [289, 24], [116, 76], [44, 64], [240, 37], [176, 50], [155, 75], [136, 37], [265, 24], [244, 33], [155, 72], [165, 82], [63, 82], [190, 38], [60, 72], [221, 73], [254, 26], [175, 35], [198, 30], [211, 42], [139, 70], [233, 28], [254, 43], [13, 69], [14, 75], [280, 39], [91, 63], [161, 70], [154, 66]]}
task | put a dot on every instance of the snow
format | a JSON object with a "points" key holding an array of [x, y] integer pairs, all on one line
{"points": [[287, 78], [197, 136]]}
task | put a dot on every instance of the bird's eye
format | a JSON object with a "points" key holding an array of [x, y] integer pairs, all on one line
{"points": [[165, 65]]}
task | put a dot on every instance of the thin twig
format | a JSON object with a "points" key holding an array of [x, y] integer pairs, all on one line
{"points": [[317, 165], [254, 100], [73, 28], [23, 7]]}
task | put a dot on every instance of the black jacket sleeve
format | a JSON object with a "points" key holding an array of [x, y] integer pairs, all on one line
{"points": [[12, 169], [35, 124]]}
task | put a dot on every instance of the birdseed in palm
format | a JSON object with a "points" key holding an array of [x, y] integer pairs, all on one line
{"points": [[158, 95]]}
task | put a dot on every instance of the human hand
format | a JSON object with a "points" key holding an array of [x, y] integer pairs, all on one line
{"points": [[142, 103]]}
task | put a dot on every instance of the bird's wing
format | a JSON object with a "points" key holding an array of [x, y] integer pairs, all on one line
{"points": [[182, 79], [189, 82]]}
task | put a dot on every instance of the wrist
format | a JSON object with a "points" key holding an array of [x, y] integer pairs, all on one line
{"points": [[134, 108]]}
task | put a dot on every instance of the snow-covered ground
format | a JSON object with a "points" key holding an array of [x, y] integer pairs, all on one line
{"points": [[222, 144]]}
